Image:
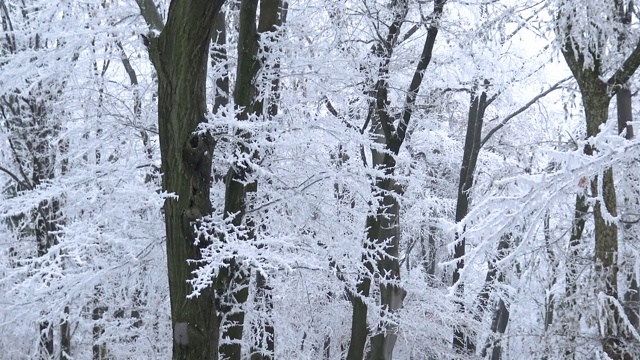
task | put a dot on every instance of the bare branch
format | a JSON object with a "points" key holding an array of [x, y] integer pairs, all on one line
{"points": [[133, 78], [409, 33], [335, 113], [329, 106], [15, 178], [624, 73], [151, 15], [16, 156], [526, 106], [418, 75]]}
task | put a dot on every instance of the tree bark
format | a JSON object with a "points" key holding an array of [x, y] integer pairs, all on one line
{"points": [[65, 336], [383, 227], [219, 58], [179, 55], [99, 348], [461, 340], [625, 117], [272, 16], [264, 346], [632, 295], [498, 326], [388, 266], [234, 278], [238, 190], [596, 96], [606, 232]]}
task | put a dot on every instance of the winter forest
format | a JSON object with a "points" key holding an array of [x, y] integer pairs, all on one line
{"points": [[319, 179]]}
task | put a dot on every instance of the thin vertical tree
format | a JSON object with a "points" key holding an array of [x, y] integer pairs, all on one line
{"points": [[232, 283], [388, 132]]}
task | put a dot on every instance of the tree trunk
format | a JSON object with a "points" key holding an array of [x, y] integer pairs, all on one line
{"points": [[264, 346], [625, 117], [383, 227], [498, 326], [461, 340], [572, 271], [596, 105], [219, 58], [388, 266], [429, 252], [595, 99], [65, 337], [99, 348], [238, 191], [179, 55], [359, 328], [579, 220], [625, 114], [272, 16], [234, 280], [46, 340], [596, 95], [551, 257], [632, 295]]}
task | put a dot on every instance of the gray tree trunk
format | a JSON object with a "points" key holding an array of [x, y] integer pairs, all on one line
{"points": [[625, 117], [596, 95]]}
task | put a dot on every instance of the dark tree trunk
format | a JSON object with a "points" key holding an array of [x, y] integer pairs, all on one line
{"points": [[238, 191], [500, 314], [179, 55], [46, 340], [272, 16], [596, 106], [383, 227], [551, 257], [99, 347], [219, 58], [65, 336], [359, 328], [625, 114], [234, 278], [498, 326], [577, 228], [632, 295], [463, 341], [493, 275], [388, 235], [264, 346], [572, 271], [429, 248]]}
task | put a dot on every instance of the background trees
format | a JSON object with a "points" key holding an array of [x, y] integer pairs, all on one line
{"points": [[324, 170], [80, 239]]}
